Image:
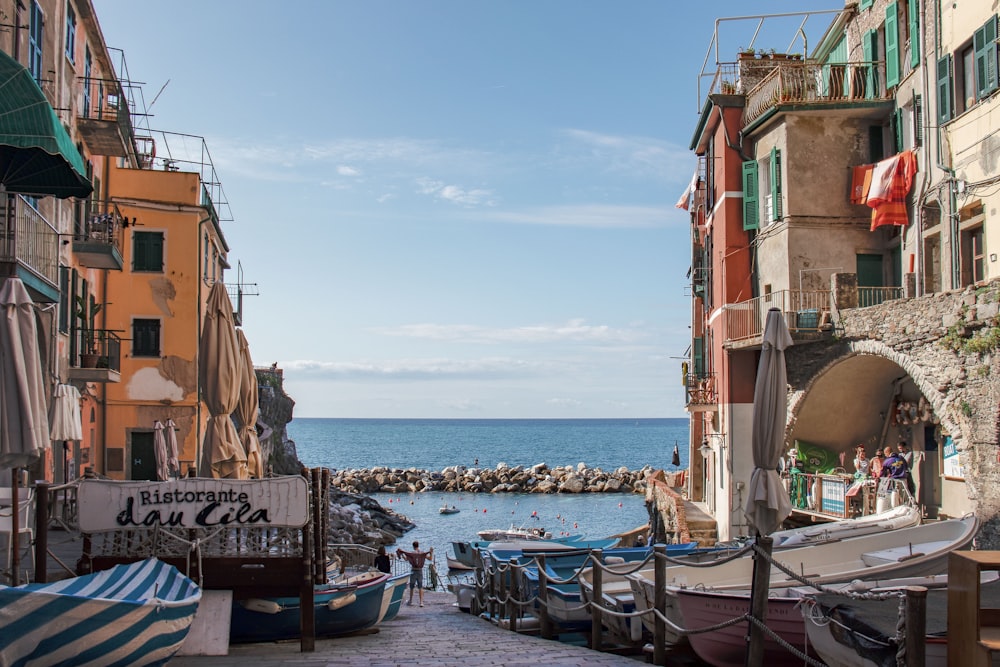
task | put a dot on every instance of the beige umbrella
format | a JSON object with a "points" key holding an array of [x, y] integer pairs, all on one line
{"points": [[24, 426], [171, 429], [222, 454], [160, 451], [65, 421], [247, 409]]}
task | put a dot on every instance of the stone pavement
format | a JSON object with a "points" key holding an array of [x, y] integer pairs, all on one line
{"points": [[436, 634]]}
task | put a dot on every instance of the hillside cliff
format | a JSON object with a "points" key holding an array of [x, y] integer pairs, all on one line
{"points": [[276, 409]]}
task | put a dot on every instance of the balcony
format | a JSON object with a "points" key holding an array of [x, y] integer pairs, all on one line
{"points": [[29, 248], [798, 84], [104, 122], [96, 356], [701, 393], [98, 241], [807, 314]]}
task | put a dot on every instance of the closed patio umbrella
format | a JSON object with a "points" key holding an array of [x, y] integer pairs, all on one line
{"points": [[171, 433], [24, 427], [65, 422], [247, 409], [222, 455], [160, 451]]}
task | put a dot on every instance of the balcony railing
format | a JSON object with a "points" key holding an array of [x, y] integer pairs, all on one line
{"points": [[103, 117], [701, 393], [873, 296], [805, 312], [96, 356], [99, 238], [28, 240], [798, 82]]}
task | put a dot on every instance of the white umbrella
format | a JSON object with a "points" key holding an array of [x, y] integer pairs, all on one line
{"points": [[247, 409], [65, 421], [171, 429], [767, 501], [160, 451]]}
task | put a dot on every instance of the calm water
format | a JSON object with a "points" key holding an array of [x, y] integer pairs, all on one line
{"points": [[434, 444]]}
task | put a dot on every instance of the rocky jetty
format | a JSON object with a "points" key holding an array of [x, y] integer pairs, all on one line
{"points": [[358, 519], [503, 479]]}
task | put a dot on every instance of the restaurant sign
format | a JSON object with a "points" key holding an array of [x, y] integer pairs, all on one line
{"points": [[194, 503]]}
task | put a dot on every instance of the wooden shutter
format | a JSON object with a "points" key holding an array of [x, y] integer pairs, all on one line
{"points": [[751, 211], [944, 107], [918, 120], [775, 184], [147, 251], [891, 45], [869, 49], [865, 4], [896, 125], [699, 357], [915, 35], [984, 44]]}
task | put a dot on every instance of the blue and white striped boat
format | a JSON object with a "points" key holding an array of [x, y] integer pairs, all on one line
{"points": [[136, 614]]}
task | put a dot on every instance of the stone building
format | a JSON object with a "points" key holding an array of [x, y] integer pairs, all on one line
{"points": [[857, 177]]}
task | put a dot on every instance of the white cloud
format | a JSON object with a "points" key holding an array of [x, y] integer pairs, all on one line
{"points": [[572, 331], [418, 369], [601, 216], [644, 155], [345, 170], [564, 402]]}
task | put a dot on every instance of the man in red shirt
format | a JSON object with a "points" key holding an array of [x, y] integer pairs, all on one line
{"points": [[416, 559]]}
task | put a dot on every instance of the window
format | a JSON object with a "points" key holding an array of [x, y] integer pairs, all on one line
{"points": [[751, 214], [914, 29], [88, 68], [70, 34], [970, 75], [147, 251], [145, 338], [869, 49], [37, 23], [944, 107], [971, 219], [984, 41], [965, 79]]}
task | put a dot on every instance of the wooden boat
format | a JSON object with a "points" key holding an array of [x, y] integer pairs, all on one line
{"points": [[449, 510], [862, 633], [905, 552], [340, 608], [137, 614], [455, 564], [392, 597]]}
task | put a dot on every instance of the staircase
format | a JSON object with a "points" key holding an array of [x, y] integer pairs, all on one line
{"points": [[701, 526]]}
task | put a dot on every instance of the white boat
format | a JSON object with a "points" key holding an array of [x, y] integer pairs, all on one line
{"points": [[514, 533], [905, 552], [862, 633], [902, 516]]}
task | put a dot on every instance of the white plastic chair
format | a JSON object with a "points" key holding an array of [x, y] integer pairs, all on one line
{"points": [[25, 527]]}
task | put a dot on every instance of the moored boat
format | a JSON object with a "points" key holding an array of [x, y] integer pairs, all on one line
{"points": [[339, 608], [514, 533], [136, 614], [392, 597], [449, 510]]}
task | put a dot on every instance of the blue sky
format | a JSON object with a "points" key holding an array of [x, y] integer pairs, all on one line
{"points": [[451, 208]]}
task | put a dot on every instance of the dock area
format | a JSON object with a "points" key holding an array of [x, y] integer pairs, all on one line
{"points": [[436, 634]]}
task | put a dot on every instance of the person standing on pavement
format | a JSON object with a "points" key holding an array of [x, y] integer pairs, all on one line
{"points": [[416, 559], [382, 561]]}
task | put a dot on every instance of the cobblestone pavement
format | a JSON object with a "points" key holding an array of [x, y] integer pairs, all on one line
{"points": [[436, 634]]}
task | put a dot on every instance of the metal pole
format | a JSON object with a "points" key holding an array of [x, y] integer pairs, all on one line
{"points": [[41, 532], [659, 604], [512, 595], [758, 600]]}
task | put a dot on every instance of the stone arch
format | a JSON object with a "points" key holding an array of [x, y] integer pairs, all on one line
{"points": [[925, 384]]}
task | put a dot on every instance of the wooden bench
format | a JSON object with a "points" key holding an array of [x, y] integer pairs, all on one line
{"points": [[973, 631]]}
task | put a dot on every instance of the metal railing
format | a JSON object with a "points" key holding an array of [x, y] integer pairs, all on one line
{"points": [[873, 296], [803, 311], [701, 389], [798, 82], [102, 223], [97, 348], [28, 239]]}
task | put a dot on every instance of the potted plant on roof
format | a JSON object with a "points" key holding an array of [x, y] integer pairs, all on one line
{"points": [[88, 337], [747, 53]]}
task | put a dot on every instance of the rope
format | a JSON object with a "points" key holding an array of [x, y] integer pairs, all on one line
{"points": [[762, 626]]}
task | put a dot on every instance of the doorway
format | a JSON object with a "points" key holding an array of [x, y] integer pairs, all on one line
{"points": [[142, 458]]}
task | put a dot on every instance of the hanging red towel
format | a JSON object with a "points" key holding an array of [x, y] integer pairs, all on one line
{"points": [[861, 181], [891, 182]]}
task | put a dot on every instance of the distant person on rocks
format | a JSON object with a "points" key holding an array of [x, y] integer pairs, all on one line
{"points": [[416, 559], [382, 560]]}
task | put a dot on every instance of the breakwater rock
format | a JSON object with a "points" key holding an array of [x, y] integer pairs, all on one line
{"points": [[358, 519], [503, 479]]}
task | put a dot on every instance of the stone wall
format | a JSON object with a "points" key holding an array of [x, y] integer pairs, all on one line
{"points": [[949, 345]]}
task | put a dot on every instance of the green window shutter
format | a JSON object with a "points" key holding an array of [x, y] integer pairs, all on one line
{"points": [[896, 123], [751, 213], [915, 35], [918, 120], [775, 184], [985, 46], [698, 352], [147, 251], [865, 4], [891, 46], [944, 108], [869, 49]]}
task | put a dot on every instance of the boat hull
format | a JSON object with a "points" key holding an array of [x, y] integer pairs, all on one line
{"points": [[137, 614], [249, 625], [392, 597]]}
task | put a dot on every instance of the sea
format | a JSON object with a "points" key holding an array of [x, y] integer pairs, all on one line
{"points": [[434, 444]]}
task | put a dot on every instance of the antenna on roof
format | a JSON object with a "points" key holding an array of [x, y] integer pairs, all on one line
{"points": [[157, 96]]}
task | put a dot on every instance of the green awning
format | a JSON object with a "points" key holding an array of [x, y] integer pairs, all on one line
{"points": [[37, 156]]}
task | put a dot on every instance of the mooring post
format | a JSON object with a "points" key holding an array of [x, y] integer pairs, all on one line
{"points": [[596, 602], [916, 625], [659, 604], [759, 589], [512, 593], [545, 623], [41, 532]]}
